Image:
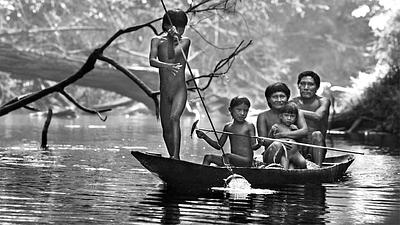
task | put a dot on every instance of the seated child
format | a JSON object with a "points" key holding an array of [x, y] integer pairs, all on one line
{"points": [[242, 145], [285, 154]]}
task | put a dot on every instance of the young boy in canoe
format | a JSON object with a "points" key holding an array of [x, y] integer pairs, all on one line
{"points": [[287, 157], [166, 54], [242, 145]]}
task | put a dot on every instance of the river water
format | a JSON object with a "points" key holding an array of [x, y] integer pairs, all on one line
{"points": [[88, 176]]}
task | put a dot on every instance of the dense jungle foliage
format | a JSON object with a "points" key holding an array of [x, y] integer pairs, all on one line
{"points": [[381, 101], [333, 38]]}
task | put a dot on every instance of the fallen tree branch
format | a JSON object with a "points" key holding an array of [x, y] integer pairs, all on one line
{"points": [[16, 99], [87, 67], [128, 30], [223, 62], [97, 112], [98, 54], [152, 94], [207, 41]]}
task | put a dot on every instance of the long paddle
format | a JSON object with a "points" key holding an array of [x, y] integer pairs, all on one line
{"points": [[280, 140]]}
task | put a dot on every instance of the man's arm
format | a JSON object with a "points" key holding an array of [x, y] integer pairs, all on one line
{"points": [[321, 112]]}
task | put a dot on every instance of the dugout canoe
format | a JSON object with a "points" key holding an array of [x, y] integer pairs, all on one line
{"points": [[180, 174]]}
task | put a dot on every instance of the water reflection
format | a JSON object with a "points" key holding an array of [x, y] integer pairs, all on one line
{"points": [[297, 204], [376, 143], [171, 211], [240, 210], [89, 177], [292, 205]]}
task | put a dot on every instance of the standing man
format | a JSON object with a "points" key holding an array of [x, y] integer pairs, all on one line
{"points": [[166, 53], [316, 112]]}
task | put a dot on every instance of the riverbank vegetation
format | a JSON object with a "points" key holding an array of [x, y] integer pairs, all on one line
{"points": [[333, 38], [379, 104]]}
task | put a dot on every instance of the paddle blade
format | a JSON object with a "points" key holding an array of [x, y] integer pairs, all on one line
{"points": [[194, 126]]}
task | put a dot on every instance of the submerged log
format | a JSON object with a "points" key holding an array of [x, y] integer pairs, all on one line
{"points": [[350, 122], [342, 120], [45, 129]]}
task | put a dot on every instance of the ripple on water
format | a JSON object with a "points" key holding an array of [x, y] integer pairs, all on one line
{"points": [[88, 176]]}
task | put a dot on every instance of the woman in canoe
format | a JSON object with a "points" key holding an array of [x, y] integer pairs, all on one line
{"points": [[288, 158], [241, 146], [277, 96]]}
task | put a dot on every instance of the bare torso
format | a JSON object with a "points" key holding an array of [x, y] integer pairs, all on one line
{"points": [[270, 117], [313, 106], [241, 145], [267, 119], [167, 79]]}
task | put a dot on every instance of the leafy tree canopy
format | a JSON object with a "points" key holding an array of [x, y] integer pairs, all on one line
{"points": [[288, 36]]}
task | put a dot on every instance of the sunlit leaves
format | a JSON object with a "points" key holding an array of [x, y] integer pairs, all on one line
{"points": [[288, 36]]}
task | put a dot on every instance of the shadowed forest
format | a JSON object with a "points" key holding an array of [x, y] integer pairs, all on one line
{"points": [[353, 45]]}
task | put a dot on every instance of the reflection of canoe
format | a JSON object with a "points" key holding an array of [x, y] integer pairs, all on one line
{"points": [[183, 174]]}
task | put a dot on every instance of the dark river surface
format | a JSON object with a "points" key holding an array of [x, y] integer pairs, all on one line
{"points": [[88, 176]]}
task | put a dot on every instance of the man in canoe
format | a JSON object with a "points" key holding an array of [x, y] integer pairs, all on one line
{"points": [[239, 132], [316, 112], [277, 96]]}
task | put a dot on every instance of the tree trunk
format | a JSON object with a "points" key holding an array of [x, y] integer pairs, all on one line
{"points": [[26, 65]]}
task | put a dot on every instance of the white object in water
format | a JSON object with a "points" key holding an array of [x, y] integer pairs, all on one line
{"points": [[236, 181]]}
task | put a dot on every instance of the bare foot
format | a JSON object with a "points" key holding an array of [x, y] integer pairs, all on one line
{"points": [[173, 157]]}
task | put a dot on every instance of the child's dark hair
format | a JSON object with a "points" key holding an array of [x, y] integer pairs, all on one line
{"points": [[311, 74], [238, 100], [276, 87], [178, 18], [290, 107]]}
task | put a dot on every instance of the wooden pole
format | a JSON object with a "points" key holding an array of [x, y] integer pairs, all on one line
{"points": [[284, 141]]}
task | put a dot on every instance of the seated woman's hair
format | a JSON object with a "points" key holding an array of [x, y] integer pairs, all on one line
{"points": [[178, 19], [276, 87]]}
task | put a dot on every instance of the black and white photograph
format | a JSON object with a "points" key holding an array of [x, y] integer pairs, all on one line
{"points": [[200, 112]]}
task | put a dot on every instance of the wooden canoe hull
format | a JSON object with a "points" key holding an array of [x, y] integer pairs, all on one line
{"points": [[182, 174]]}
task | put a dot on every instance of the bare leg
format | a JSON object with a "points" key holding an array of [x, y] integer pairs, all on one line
{"points": [[165, 109], [238, 160], [318, 153], [216, 159], [178, 105], [306, 152], [274, 153], [284, 162], [297, 160]]}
